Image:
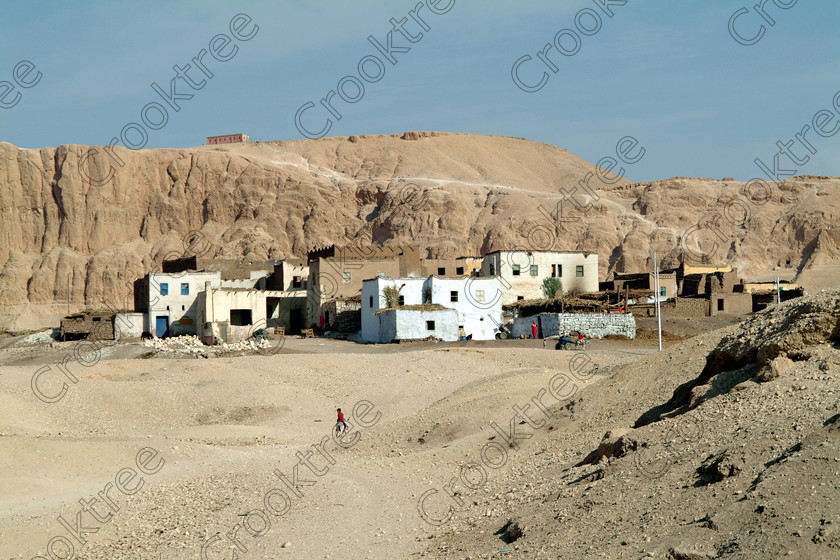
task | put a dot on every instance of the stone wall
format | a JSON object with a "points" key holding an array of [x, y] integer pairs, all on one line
{"points": [[348, 315], [595, 325]]}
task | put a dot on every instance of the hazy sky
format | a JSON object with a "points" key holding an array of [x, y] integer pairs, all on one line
{"points": [[666, 72]]}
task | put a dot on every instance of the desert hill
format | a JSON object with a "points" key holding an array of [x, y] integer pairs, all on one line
{"points": [[79, 225], [742, 461]]}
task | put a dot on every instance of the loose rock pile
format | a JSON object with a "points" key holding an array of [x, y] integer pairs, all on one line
{"points": [[191, 344]]}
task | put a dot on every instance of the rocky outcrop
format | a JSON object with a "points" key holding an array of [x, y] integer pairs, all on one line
{"points": [[80, 224], [760, 349]]}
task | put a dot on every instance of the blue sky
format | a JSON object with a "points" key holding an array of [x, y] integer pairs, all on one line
{"points": [[665, 72]]}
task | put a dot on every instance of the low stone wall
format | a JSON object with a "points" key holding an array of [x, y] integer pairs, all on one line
{"points": [[595, 325], [348, 315]]}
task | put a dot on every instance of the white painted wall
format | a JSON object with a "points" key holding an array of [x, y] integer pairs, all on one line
{"points": [[504, 264], [410, 324], [176, 306], [128, 325], [479, 313], [479, 304]]}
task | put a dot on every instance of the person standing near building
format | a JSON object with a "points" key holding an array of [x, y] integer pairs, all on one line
{"points": [[534, 329]]}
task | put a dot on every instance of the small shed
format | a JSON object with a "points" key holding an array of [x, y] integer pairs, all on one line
{"points": [[88, 325]]}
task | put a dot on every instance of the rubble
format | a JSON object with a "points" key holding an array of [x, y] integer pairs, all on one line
{"points": [[191, 344]]}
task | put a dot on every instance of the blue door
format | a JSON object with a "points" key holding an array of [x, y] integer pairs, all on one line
{"points": [[162, 326]]}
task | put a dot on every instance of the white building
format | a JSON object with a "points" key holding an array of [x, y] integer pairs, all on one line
{"points": [[477, 302], [175, 303], [522, 272], [171, 305], [414, 324]]}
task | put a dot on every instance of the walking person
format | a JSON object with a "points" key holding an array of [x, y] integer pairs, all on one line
{"points": [[340, 424]]}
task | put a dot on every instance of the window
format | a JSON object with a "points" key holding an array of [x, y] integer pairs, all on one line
{"points": [[459, 270], [346, 277], [370, 301], [662, 291], [185, 289], [492, 269], [556, 270], [720, 304], [401, 300], [579, 270], [518, 298], [240, 317], [516, 270], [453, 295], [441, 271], [296, 283], [97, 319], [479, 296], [535, 270], [430, 325], [164, 289]]}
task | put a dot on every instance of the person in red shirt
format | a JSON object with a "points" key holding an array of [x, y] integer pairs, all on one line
{"points": [[340, 423]]}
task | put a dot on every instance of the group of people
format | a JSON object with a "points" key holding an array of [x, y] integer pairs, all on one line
{"points": [[581, 337]]}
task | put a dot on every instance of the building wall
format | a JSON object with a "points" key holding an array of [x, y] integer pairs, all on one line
{"points": [[526, 286], [479, 313], [218, 303], [408, 324], [594, 325], [687, 307], [411, 325], [341, 275], [451, 267], [184, 312], [479, 304], [128, 325], [372, 301], [733, 304], [285, 274], [227, 139]]}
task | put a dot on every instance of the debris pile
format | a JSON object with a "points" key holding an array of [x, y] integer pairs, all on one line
{"points": [[191, 344]]}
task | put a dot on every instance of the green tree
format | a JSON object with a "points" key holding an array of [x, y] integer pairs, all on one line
{"points": [[550, 286]]}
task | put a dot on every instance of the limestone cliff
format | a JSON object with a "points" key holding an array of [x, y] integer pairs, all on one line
{"points": [[79, 224]]}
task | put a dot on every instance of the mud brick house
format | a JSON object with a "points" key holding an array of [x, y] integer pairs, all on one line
{"points": [[337, 273]]}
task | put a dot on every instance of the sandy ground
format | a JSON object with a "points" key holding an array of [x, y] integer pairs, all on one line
{"points": [[223, 426], [155, 455]]}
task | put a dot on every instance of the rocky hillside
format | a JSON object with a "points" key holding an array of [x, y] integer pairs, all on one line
{"points": [[741, 462], [79, 225]]}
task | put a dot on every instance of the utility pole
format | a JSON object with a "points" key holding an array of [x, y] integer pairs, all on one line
{"points": [[656, 295]]}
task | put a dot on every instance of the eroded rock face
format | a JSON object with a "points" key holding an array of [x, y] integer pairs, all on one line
{"points": [[80, 225], [758, 349]]}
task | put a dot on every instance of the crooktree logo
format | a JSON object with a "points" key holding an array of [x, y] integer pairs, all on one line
{"points": [[22, 78], [746, 33], [371, 68], [567, 42], [547, 234], [155, 114]]}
